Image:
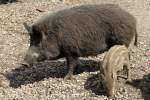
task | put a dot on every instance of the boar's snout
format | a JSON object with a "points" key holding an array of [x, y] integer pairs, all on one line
{"points": [[30, 59], [31, 56]]}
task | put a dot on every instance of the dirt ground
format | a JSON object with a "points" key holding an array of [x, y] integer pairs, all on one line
{"points": [[44, 81]]}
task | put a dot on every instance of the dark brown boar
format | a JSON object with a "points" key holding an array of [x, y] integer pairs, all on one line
{"points": [[79, 32]]}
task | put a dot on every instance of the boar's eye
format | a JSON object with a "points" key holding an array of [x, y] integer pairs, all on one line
{"points": [[35, 37]]}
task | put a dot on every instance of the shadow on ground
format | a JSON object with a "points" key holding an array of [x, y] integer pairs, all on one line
{"points": [[143, 85], [94, 84], [23, 75], [7, 1]]}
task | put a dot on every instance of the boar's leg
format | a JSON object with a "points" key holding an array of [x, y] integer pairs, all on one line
{"points": [[72, 63]]}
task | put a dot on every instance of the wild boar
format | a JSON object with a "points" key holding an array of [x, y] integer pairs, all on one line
{"points": [[79, 31], [116, 59]]}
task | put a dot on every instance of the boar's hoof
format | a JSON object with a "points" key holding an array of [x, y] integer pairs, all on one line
{"points": [[128, 80], [69, 77]]}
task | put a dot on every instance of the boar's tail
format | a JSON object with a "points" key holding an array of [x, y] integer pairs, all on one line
{"points": [[136, 38]]}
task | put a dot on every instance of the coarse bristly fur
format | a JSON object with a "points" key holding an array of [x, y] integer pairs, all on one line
{"points": [[84, 30], [116, 59]]}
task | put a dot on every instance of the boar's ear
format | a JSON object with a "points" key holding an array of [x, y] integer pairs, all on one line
{"points": [[28, 28]]}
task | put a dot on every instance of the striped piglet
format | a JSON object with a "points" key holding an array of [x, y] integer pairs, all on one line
{"points": [[116, 59]]}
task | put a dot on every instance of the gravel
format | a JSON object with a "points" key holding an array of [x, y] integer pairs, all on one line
{"points": [[44, 81]]}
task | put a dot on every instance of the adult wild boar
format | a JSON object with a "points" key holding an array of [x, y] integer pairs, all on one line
{"points": [[78, 32]]}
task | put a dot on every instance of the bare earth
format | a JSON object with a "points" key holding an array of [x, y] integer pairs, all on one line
{"points": [[44, 81]]}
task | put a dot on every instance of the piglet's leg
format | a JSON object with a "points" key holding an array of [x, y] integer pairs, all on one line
{"points": [[72, 63], [114, 83], [128, 72], [127, 67]]}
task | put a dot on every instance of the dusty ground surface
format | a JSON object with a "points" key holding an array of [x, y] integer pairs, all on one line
{"points": [[45, 81]]}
